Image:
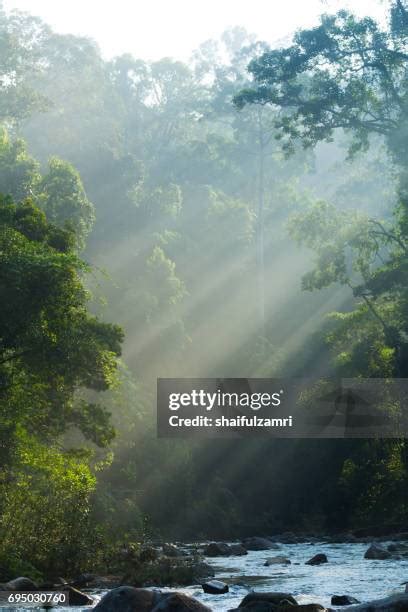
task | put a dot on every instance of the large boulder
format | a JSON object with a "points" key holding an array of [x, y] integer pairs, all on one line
{"points": [[278, 560], [317, 559], [257, 606], [343, 600], [288, 537], [256, 543], [215, 587], [128, 599], [178, 602], [21, 584], [275, 599], [217, 549], [377, 552], [395, 603], [260, 605]]}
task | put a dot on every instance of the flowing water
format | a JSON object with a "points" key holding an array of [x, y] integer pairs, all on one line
{"points": [[346, 573]]}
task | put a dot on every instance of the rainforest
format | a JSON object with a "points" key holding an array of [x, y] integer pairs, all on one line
{"points": [[239, 214]]}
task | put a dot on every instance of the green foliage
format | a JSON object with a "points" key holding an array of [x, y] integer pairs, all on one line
{"points": [[50, 348], [45, 510], [64, 200]]}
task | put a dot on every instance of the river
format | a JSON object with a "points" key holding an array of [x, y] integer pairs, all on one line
{"points": [[346, 573]]}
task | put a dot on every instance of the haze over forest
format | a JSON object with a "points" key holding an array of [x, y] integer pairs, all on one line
{"points": [[194, 219]]}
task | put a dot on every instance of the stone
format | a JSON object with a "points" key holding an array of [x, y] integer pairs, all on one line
{"points": [[237, 550], [21, 584], [178, 602], [377, 552], [343, 600], [256, 543], [215, 587], [128, 599], [269, 597], [395, 603], [278, 560], [217, 549], [317, 559]]}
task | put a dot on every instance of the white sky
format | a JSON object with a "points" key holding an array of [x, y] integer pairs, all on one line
{"points": [[151, 29]]}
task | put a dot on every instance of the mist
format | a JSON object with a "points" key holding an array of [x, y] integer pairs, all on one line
{"points": [[216, 244]]}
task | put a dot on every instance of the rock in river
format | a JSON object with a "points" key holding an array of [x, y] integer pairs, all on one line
{"points": [[256, 543], [395, 603], [317, 560], [215, 587], [278, 560], [237, 550], [178, 602], [343, 600], [21, 584], [377, 552], [128, 599], [217, 549], [275, 599]]}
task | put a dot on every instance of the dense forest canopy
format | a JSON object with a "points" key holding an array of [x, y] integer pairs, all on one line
{"points": [[232, 222]]}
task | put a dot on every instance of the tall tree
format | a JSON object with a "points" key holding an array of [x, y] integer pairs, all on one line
{"points": [[349, 73]]}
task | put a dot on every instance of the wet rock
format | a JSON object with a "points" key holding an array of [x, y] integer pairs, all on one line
{"points": [[172, 551], [278, 560], [264, 606], [395, 603], [178, 602], [272, 598], [217, 549], [317, 559], [128, 599], [215, 587], [257, 606], [313, 607], [77, 598], [236, 550], [288, 537], [343, 600], [256, 543], [377, 552], [49, 586], [21, 584]]}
